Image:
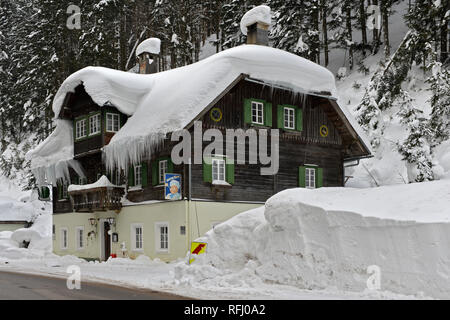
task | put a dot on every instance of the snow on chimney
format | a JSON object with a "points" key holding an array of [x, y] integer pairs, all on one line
{"points": [[147, 54], [255, 24]]}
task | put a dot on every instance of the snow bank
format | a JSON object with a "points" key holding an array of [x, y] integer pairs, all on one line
{"points": [[151, 45], [293, 242], [13, 210], [257, 14]]}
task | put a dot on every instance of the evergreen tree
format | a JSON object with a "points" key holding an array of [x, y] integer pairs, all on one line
{"points": [[415, 149]]}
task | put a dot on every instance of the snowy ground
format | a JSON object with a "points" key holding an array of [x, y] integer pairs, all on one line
{"points": [[292, 249]]}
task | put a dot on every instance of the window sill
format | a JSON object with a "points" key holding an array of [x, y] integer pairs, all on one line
{"points": [[162, 251], [135, 188]]}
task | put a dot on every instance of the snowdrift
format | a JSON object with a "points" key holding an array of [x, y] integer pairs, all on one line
{"points": [[293, 241]]}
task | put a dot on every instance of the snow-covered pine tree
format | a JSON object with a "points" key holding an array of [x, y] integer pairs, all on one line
{"points": [[439, 82], [415, 149]]}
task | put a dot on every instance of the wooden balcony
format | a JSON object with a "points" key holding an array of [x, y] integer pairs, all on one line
{"points": [[97, 199]]}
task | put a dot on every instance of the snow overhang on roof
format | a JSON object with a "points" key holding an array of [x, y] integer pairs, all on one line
{"points": [[51, 159], [168, 101]]}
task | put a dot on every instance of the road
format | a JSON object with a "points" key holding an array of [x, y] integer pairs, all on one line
{"points": [[17, 286]]}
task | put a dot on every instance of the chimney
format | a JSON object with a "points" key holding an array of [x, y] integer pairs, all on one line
{"points": [[147, 54], [258, 33], [256, 25]]}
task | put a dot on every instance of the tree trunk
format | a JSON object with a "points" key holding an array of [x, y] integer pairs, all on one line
{"points": [[444, 41], [349, 34], [325, 31], [362, 21], [385, 18]]}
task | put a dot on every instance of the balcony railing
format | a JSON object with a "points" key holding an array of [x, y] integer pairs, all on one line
{"points": [[97, 199]]}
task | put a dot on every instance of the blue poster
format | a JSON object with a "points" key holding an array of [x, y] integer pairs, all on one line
{"points": [[172, 183]]}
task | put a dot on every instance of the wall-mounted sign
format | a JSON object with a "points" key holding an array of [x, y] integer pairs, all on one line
{"points": [[172, 183], [324, 131], [216, 114], [115, 237]]}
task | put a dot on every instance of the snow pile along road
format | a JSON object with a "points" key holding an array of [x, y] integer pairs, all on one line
{"points": [[293, 241], [16, 205]]}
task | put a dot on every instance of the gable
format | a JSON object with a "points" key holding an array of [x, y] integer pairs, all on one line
{"points": [[318, 111]]}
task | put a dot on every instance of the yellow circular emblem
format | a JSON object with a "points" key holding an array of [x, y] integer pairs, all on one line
{"points": [[216, 114], [324, 131]]}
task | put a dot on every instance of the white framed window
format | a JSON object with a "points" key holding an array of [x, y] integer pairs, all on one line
{"points": [[257, 112], [138, 175], [64, 239], [80, 238], [163, 166], [137, 237], [94, 124], [162, 236], [310, 178], [218, 169], [112, 122], [289, 118], [80, 129]]}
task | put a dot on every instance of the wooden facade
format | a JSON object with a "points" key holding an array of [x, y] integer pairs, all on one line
{"points": [[307, 146]]}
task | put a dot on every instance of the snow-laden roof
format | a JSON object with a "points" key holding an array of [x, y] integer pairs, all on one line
{"points": [[167, 101], [103, 182], [52, 157], [257, 14], [151, 45]]}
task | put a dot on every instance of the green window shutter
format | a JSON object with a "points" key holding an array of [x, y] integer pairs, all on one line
{"points": [[169, 166], [268, 114], [45, 193], [144, 173], [319, 178], [302, 177], [155, 173], [299, 119], [207, 171], [229, 171], [131, 176], [280, 117], [248, 111]]}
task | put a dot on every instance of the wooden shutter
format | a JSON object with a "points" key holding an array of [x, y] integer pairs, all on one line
{"points": [[207, 171], [131, 176], [299, 119], [302, 177], [319, 178], [155, 173], [169, 166], [45, 193], [280, 117], [248, 111], [268, 114], [144, 174], [229, 171]]}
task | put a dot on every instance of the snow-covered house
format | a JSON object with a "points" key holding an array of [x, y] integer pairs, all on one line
{"points": [[112, 146]]}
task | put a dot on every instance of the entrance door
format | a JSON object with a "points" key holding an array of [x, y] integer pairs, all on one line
{"points": [[107, 239]]}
